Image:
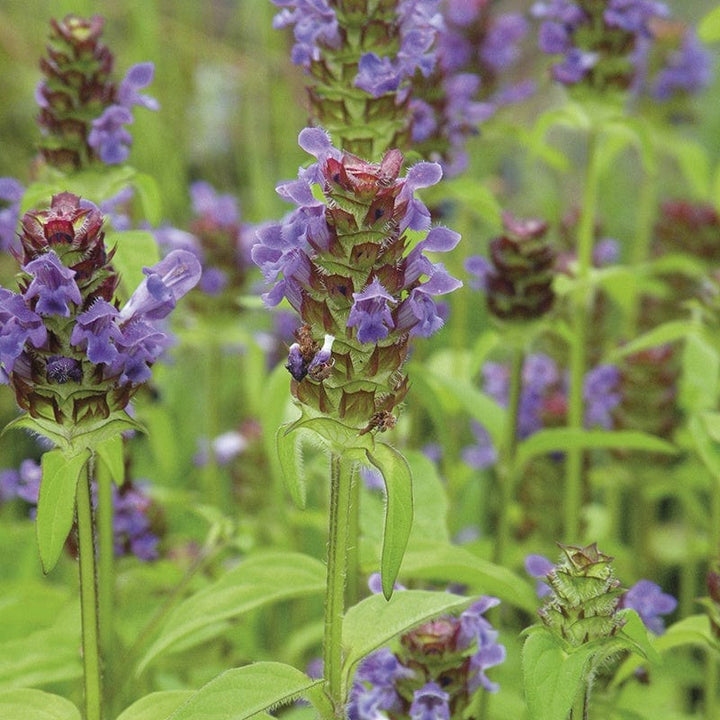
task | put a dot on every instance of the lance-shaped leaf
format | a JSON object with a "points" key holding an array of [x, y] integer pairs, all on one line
{"points": [[27, 704], [289, 452], [245, 692], [374, 621], [257, 581], [398, 510], [56, 503], [111, 454]]}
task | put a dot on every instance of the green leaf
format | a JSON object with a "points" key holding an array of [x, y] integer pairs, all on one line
{"points": [[700, 367], [552, 677], [374, 621], [156, 706], [244, 692], [134, 250], [638, 635], [709, 27], [398, 510], [56, 503], [148, 194], [336, 435], [289, 452], [562, 439], [258, 581], [27, 704], [666, 333], [452, 563], [113, 457], [707, 447]]}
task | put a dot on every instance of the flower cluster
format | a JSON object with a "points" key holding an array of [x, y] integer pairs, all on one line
{"points": [[365, 111], [475, 48], [135, 527], [645, 597], [348, 261], [543, 401], [600, 42], [435, 672], [83, 112], [518, 278], [71, 355]]}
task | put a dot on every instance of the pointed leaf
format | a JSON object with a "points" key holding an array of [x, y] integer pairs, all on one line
{"points": [[639, 637], [156, 706], [243, 692], [150, 198], [27, 704], [552, 677], [709, 26], [289, 453], [398, 510], [561, 439], [259, 580], [112, 455], [452, 563], [374, 621], [56, 503]]}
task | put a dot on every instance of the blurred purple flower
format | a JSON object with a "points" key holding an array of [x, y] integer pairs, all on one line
{"points": [[538, 566], [483, 454], [649, 601], [11, 193], [687, 70]]}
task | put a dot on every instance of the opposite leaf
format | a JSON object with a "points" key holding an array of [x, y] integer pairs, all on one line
{"points": [[56, 503], [156, 706], [398, 510]]}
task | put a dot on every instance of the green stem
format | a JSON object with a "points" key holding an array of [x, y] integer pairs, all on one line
{"points": [[506, 466], [352, 588], [88, 600], [105, 569], [341, 479], [578, 349]]}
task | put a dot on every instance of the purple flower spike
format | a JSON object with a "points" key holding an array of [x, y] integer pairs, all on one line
{"points": [[96, 328], [52, 284], [136, 78], [166, 282], [649, 601], [371, 314], [430, 703]]}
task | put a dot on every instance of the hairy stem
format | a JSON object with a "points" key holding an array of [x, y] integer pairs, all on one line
{"points": [[341, 480], [578, 349], [88, 600], [106, 568]]}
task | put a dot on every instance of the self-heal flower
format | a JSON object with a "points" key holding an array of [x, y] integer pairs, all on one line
{"points": [[164, 284], [430, 703], [53, 285], [370, 313], [18, 324], [650, 602], [96, 331]]}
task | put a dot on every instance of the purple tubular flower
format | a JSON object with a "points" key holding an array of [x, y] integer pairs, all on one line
{"points": [[52, 284], [378, 76], [166, 282], [139, 76], [315, 24], [421, 175], [18, 324], [500, 49], [538, 566], [371, 314], [649, 601], [574, 67], [131, 524], [419, 313], [475, 628], [139, 346], [109, 138], [430, 703], [634, 16], [97, 331], [11, 192]]}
